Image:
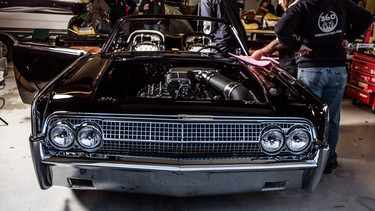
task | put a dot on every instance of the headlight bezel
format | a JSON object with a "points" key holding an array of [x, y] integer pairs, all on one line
{"points": [[281, 145], [74, 130], [289, 137], [70, 129], [94, 127], [288, 134]]}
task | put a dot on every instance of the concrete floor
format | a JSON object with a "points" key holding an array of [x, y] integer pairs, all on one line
{"points": [[350, 187]]}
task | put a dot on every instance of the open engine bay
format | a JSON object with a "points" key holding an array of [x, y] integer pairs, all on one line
{"points": [[177, 78]]}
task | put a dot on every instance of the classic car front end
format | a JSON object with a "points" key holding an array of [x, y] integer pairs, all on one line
{"points": [[180, 123]]}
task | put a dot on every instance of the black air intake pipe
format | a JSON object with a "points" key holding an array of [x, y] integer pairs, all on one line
{"points": [[231, 90]]}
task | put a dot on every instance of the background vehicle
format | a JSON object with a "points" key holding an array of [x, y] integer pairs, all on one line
{"points": [[35, 20], [166, 112]]}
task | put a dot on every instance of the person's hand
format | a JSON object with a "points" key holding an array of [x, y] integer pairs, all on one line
{"points": [[257, 54], [345, 44], [304, 50], [145, 7]]}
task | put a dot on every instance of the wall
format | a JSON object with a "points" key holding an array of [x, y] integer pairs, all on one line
{"points": [[192, 2], [254, 4], [251, 4]]}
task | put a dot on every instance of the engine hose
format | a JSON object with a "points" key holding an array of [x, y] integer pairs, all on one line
{"points": [[231, 90]]}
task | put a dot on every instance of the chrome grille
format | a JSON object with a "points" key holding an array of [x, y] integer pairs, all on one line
{"points": [[180, 132], [182, 137]]}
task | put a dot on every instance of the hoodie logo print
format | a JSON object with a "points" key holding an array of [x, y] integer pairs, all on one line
{"points": [[327, 21]]}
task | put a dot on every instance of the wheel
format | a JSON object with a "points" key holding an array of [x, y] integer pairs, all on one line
{"points": [[373, 109], [7, 46], [354, 101]]}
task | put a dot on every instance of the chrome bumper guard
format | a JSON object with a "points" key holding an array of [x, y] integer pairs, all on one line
{"points": [[179, 179]]}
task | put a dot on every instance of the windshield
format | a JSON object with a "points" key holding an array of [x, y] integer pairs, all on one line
{"points": [[174, 33]]}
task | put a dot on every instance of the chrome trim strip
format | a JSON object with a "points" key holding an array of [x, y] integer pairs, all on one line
{"points": [[180, 118], [300, 165], [188, 117]]}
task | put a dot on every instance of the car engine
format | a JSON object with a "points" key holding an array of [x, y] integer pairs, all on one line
{"points": [[195, 83]]}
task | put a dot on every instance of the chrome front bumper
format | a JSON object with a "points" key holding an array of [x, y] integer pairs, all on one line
{"points": [[177, 179]]}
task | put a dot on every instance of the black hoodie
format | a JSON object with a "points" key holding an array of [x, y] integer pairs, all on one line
{"points": [[322, 25], [229, 11]]}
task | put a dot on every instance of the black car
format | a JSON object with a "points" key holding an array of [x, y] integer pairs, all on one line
{"points": [[166, 112]]}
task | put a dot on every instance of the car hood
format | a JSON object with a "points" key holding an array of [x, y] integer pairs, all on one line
{"points": [[77, 92]]}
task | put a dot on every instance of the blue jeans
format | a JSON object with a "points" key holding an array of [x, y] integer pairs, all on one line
{"points": [[328, 83]]}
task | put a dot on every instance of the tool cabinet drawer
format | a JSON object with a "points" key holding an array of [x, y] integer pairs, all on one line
{"points": [[357, 93], [363, 66], [363, 76], [365, 85]]}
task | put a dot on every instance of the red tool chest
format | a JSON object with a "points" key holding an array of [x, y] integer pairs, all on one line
{"points": [[361, 84]]}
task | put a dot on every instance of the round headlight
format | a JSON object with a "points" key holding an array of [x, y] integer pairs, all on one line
{"points": [[298, 140], [61, 136], [272, 140], [89, 137]]}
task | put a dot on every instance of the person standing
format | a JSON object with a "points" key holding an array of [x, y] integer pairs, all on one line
{"points": [[265, 7], [100, 9], [120, 8], [152, 7], [229, 11], [318, 31], [287, 59]]}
